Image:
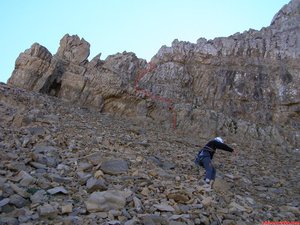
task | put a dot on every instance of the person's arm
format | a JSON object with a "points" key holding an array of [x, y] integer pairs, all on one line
{"points": [[223, 146]]}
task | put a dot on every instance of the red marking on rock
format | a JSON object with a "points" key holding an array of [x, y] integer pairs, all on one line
{"points": [[150, 67]]}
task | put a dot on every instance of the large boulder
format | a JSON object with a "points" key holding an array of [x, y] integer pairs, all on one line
{"points": [[30, 67], [105, 201]]}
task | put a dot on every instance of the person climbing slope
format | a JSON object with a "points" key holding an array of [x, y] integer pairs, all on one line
{"points": [[205, 156]]}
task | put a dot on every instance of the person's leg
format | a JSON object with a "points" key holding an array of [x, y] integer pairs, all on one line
{"points": [[197, 161], [213, 177], [208, 168]]}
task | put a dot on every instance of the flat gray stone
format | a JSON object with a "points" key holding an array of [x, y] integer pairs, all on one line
{"points": [[44, 149], [152, 219], [39, 197], [4, 202], [114, 166], [8, 220], [47, 210], [26, 178], [161, 162], [18, 201], [57, 190], [94, 184]]}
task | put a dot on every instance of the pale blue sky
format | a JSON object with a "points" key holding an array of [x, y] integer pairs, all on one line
{"points": [[113, 26]]}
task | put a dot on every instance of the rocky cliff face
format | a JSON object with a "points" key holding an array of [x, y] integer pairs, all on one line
{"points": [[245, 86]]}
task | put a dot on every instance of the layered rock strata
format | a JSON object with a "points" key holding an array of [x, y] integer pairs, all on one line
{"points": [[244, 87]]}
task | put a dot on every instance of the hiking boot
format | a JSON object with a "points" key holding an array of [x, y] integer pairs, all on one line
{"points": [[207, 181]]}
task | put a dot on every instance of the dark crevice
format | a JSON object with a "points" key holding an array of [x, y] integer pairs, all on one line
{"points": [[54, 88]]}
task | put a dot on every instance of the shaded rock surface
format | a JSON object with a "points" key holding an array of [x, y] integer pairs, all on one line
{"points": [[157, 184], [245, 86]]}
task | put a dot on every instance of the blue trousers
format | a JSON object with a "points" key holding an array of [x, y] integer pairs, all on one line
{"points": [[210, 171]]}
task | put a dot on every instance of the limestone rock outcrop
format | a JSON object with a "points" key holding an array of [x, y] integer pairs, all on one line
{"points": [[245, 86], [30, 67], [74, 50]]}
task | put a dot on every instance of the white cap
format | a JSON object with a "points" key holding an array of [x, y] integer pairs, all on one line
{"points": [[219, 139]]}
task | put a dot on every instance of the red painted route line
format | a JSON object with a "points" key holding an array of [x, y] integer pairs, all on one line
{"points": [[150, 67]]}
